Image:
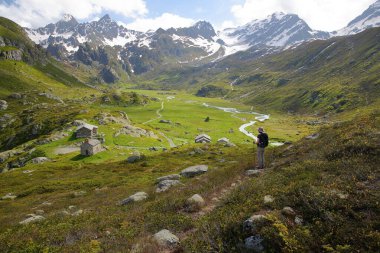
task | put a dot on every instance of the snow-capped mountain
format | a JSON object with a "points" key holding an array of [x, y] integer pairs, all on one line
{"points": [[115, 48], [68, 34], [368, 19], [277, 30]]}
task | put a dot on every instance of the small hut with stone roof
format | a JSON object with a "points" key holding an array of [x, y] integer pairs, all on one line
{"points": [[90, 147], [86, 131]]}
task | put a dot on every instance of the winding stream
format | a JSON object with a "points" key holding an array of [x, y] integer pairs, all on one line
{"points": [[243, 128]]}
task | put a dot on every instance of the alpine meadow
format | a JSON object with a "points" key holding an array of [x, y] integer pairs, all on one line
{"points": [[260, 137]]}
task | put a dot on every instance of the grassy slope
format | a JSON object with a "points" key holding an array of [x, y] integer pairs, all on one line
{"points": [[305, 177], [308, 178]]}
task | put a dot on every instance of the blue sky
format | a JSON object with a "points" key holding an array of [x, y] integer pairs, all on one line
{"points": [[327, 15]]}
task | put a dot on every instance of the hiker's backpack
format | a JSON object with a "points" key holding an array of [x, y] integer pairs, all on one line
{"points": [[264, 140]]}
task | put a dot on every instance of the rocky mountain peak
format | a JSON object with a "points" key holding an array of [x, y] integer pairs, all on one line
{"points": [[105, 18], [368, 19], [67, 18]]}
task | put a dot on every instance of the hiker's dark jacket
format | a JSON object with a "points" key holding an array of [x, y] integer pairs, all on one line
{"points": [[263, 140]]}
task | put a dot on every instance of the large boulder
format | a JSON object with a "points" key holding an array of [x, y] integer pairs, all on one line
{"points": [[166, 239], [194, 203], [166, 185], [194, 171], [137, 197], [3, 105], [169, 177]]}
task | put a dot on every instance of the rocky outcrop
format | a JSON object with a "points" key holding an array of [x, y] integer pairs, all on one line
{"points": [[135, 132], [109, 75], [14, 55], [39, 160], [194, 171]]}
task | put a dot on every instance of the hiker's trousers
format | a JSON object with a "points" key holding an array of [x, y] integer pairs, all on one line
{"points": [[260, 157]]}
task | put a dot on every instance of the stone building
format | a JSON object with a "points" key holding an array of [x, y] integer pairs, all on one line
{"points": [[90, 147], [203, 138], [86, 131]]}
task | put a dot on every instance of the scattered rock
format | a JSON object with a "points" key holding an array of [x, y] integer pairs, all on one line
{"points": [[288, 211], [135, 132], [39, 160], [64, 212], [298, 220], [51, 96], [226, 142], [77, 213], [15, 96], [166, 185], [194, 203], [169, 177], [251, 223], [313, 136], [78, 123], [3, 105], [134, 158], [254, 243], [46, 203], [79, 194], [10, 196], [253, 173], [268, 199], [39, 212], [166, 238], [27, 171], [33, 218], [194, 171], [198, 151], [139, 196], [342, 196]]}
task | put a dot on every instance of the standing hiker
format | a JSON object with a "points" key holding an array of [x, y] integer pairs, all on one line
{"points": [[261, 142]]}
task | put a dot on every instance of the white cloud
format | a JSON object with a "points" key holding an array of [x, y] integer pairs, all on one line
{"points": [[325, 15], [165, 21], [36, 13]]}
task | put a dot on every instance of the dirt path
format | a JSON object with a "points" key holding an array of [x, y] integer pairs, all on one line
{"points": [[158, 112], [159, 116], [171, 143]]}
